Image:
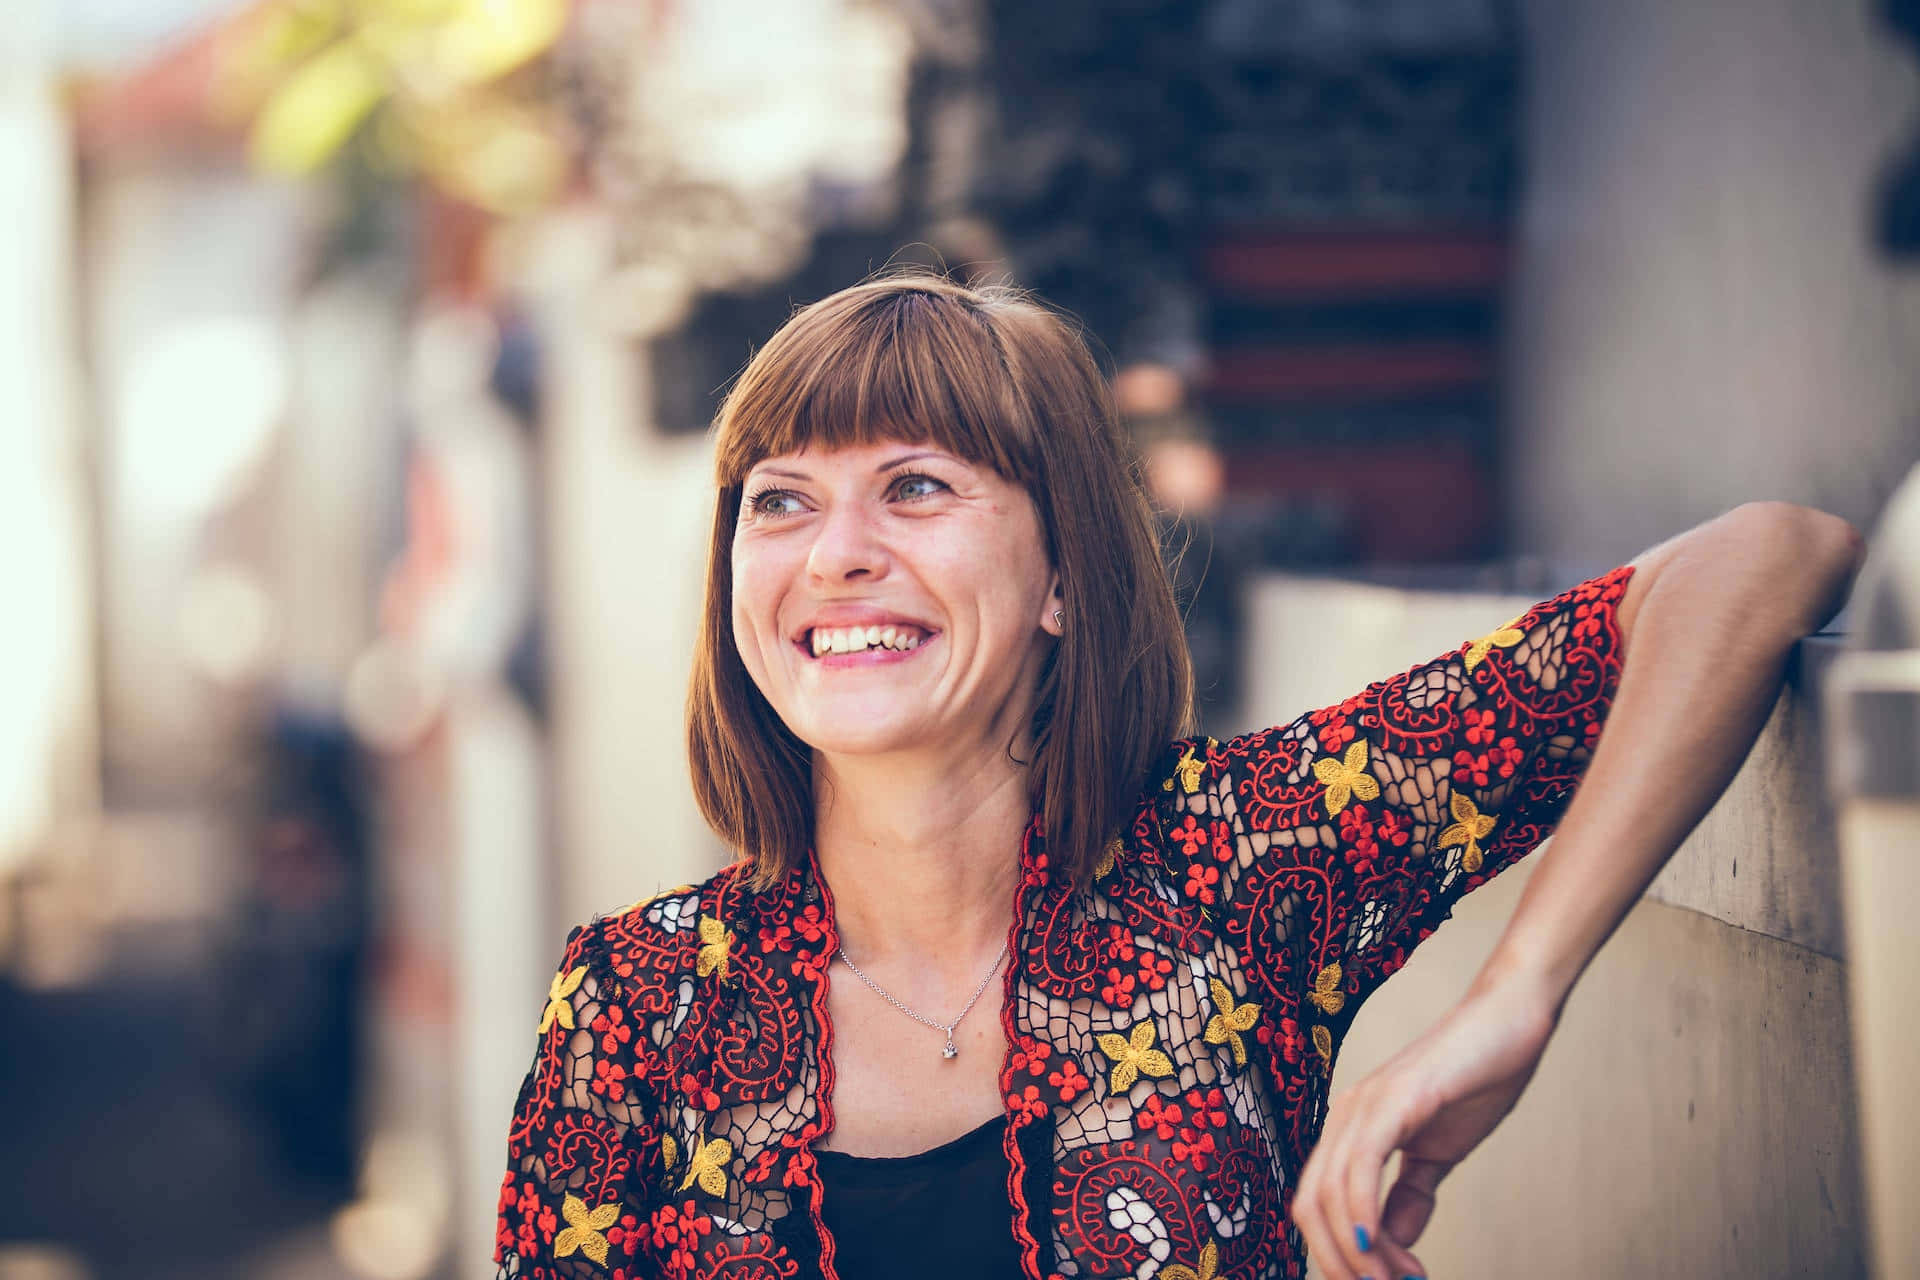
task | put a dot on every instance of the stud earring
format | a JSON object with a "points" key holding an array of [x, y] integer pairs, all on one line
{"points": [[1059, 618]]}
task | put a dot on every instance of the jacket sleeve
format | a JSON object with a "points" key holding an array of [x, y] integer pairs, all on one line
{"points": [[581, 1152], [1340, 841]]}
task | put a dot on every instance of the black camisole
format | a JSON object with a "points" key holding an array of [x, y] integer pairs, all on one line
{"points": [[892, 1216]]}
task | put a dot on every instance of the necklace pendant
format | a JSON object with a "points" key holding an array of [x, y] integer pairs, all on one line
{"points": [[950, 1051]]}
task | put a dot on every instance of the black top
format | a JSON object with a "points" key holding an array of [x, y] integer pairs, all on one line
{"points": [[947, 1209]]}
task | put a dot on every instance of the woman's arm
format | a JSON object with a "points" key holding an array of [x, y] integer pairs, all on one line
{"points": [[1708, 622]]}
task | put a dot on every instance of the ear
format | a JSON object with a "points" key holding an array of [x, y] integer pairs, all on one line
{"points": [[1055, 602]]}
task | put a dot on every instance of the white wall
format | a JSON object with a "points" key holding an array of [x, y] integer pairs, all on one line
{"points": [[47, 735]]}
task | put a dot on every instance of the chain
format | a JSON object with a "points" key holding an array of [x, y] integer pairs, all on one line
{"points": [[950, 1050]]}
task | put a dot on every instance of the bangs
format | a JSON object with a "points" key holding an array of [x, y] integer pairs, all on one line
{"points": [[880, 363]]}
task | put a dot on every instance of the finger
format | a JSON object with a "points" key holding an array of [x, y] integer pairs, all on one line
{"points": [[1350, 1231], [1360, 1161], [1411, 1200], [1396, 1255], [1309, 1214], [1345, 1231], [1323, 1241]]}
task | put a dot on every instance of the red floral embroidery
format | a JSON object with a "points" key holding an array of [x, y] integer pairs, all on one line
{"points": [[810, 923], [699, 1094], [1189, 835], [1117, 990], [1154, 969], [1357, 833], [1394, 829], [1222, 839], [609, 1079], [1200, 881], [613, 1029], [1069, 1080], [677, 1232], [1159, 1116], [626, 1234]]}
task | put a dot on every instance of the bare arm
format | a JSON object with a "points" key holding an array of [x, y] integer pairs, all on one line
{"points": [[1708, 621]]}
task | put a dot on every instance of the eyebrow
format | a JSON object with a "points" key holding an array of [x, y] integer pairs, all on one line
{"points": [[884, 467]]}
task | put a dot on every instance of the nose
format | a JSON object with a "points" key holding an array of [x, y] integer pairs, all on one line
{"points": [[846, 546]]}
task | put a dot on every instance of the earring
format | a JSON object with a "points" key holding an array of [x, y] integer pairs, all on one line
{"points": [[1059, 618]]}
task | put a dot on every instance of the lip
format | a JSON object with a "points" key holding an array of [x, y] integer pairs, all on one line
{"points": [[865, 658]]}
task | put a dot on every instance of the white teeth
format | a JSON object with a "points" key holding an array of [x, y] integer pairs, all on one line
{"points": [[858, 639]]}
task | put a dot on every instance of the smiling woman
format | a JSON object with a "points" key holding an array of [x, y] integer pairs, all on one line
{"points": [[970, 433], [937, 709]]}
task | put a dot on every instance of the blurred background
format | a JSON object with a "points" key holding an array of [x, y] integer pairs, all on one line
{"points": [[355, 360]]}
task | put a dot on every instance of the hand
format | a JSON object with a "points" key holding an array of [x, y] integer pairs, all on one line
{"points": [[1433, 1102]]}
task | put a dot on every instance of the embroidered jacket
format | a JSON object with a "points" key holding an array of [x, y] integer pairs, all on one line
{"points": [[1172, 1029]]}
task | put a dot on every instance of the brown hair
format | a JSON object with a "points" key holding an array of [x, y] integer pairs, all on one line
{"points": [[994, 377]]}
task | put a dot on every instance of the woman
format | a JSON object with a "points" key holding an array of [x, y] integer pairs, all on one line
{"points": [[938, 707]]}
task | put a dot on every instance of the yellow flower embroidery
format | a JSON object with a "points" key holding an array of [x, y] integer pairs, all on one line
{"points": [[669, 1151], [1208, 1269], [716, 943], [585, 1228], [1226, 1025], [1347, 778], [1107, 857], [708, 1166], [1470, 827], [1134, 1057], [1502, 637], [1188, 770], [559, 1008], [1323, 1045], [1326, 993]]}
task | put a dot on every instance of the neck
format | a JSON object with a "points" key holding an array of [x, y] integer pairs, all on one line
{"points": [[923, 856]]}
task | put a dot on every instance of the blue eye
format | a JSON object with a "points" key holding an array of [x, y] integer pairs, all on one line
{"points": [[916, 485], [773, 503]]}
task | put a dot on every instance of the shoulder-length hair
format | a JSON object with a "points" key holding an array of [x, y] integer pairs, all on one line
{"points": [[991, 376]]}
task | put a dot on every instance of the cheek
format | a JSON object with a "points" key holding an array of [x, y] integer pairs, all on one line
{"points": [[756, 602]]}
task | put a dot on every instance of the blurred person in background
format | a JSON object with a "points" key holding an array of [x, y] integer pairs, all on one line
{"points": [[941, 709]]}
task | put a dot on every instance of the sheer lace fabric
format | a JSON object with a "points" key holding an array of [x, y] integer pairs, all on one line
{"points": [[1172, 1028]]}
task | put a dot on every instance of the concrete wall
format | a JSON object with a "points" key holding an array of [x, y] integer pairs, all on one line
{"points": [[1693, 1115], [1695, 1112], [1699, 316]]}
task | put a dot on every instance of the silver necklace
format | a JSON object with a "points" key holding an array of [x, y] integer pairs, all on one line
{"points": [[951, 1050]]}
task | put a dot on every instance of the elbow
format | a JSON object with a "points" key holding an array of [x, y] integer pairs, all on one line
{"points": [[1810, 558]]}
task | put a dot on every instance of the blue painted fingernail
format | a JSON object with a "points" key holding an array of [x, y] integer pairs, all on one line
{"points": [[1360, 1234]]}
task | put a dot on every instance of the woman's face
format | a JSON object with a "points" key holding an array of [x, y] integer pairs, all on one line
{"points": [[891, 598]]}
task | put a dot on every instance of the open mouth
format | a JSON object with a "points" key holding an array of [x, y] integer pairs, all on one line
{"points": [[823, 642]]}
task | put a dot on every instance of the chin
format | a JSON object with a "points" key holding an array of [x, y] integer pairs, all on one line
{"points": [[865, 738]]}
